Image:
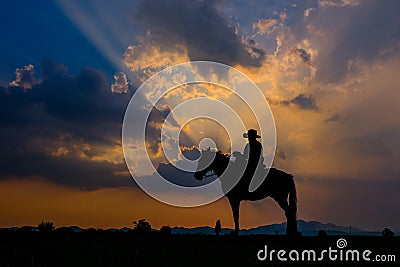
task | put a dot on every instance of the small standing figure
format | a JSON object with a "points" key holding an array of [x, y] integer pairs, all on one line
{"points": [[217, 229]]}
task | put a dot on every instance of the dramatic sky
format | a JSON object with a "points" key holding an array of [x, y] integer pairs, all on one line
{"points": [[328, 68]]}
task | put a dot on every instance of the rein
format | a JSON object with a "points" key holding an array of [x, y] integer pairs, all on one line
{"points": [[209, 175]]}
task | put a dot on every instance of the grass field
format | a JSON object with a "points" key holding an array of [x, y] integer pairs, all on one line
{"points": [[126, 249]]}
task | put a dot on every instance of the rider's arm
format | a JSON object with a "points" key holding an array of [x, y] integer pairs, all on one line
{"points": [[246, 152]]}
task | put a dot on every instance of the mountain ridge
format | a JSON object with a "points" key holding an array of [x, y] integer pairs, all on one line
{"points": [[307, 228]]}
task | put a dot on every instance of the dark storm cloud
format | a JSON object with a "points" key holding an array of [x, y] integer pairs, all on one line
{"points": [[302, 54], [52, 69], [302, 101], [198, 25], [23, 162], [46, 130], [180, 177], [81, 99], [154, 124], [192, 153]]}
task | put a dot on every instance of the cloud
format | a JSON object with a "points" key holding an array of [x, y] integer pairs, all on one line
{"points": [[179, 177], [24, 77], [334, 118], [60, 92], [339, 3], [148, 57], [264, 26], [308, 11], [254, 51], [302, 54], [121, 84], [364, 144], [52, 69], [154, 125], [281, 155], [366, 32], [65, 129], [198, 26], [302, 101], [191, 153]]}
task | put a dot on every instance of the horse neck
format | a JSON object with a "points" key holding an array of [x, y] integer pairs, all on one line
{"points": [[220, 164]]}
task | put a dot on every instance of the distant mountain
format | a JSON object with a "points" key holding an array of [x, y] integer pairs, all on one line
{"points": [[125, 229], [15, 228], [76, 229], [310, 228], [205, 230]]}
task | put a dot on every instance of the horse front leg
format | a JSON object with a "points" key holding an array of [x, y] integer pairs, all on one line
{"points": [[235, 204]]}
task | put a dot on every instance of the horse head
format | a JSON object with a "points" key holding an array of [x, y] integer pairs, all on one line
{"points": [[210, 161]]}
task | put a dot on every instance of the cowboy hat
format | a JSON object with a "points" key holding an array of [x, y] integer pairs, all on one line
{"points": [[251, 133]]}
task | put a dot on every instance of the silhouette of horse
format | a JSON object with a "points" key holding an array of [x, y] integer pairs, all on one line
{"points": [[278, 185]]}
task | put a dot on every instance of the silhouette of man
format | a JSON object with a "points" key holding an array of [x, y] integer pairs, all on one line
{"points": [[217, 228], [252, 155]]}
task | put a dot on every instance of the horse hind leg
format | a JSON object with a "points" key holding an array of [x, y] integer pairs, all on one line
{"points": [[235, 204], [291, 226]]}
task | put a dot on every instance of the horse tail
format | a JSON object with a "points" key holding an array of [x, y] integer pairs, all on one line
{"points": [[292, 196]]}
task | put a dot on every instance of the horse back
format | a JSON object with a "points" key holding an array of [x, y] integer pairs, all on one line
{"points": [[276, 182]]}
